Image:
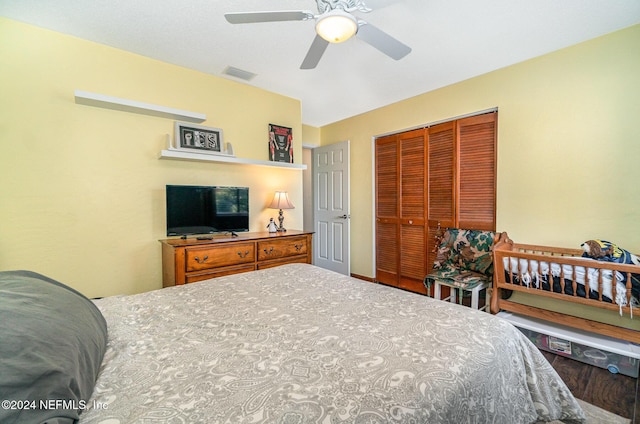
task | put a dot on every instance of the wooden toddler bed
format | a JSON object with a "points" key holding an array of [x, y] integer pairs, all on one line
{"points": [[563, 274]]}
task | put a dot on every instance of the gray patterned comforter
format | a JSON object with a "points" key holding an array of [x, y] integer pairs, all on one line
{"points": [[299, 344]]}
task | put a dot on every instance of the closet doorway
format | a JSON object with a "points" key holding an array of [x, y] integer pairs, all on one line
{"points": [[442, 175]]}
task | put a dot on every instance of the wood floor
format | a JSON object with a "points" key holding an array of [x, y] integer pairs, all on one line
{"points": [[616, 393]]}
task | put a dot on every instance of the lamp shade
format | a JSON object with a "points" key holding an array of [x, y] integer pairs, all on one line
{"points": [[336, 26], [281, 201]]}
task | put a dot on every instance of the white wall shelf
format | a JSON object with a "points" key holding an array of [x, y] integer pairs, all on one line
{"points": [[125, 105], [180, 155]]}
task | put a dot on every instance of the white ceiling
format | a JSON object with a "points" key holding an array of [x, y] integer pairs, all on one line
{"points": [[452, 40]]}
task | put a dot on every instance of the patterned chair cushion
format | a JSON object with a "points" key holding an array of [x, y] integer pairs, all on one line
{"points": [[464, 258], [453, 276]]}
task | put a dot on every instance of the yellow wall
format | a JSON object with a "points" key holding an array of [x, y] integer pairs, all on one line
{"points": [[568, 145], [82, 188], [311, 135]]}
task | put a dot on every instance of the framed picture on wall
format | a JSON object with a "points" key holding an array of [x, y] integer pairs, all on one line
{"points": [[280, 144], [198, 138]]}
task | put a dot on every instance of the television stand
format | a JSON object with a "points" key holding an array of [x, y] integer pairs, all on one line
{"points": [[189, 260]]}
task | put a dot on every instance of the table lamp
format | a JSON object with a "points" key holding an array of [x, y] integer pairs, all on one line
{"points": [[281, 201]]}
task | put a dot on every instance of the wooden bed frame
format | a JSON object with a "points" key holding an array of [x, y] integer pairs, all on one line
{"points": [[506, 248]]}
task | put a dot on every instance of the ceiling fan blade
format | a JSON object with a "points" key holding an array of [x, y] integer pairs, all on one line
{"points": [[382, 41], [315, 53], [273, 16]]}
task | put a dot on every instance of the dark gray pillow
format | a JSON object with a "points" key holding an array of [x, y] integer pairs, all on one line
{"points": [[52, 341]]}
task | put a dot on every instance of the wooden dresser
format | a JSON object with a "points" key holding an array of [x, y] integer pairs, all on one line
{"points": [[189, 260]]}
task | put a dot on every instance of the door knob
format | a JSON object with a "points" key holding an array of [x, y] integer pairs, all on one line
{"points": [[345, 216]]}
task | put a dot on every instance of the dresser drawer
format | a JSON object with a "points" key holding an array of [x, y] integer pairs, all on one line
{"points": [[193, 277], [278, 262], [199, 258], [282, 248]]}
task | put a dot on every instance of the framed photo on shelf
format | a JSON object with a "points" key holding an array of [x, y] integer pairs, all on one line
{"points": [[280, 144], [198, 138]]}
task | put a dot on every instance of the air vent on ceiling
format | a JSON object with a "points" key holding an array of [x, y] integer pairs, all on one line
{"points": [[238, 73]]}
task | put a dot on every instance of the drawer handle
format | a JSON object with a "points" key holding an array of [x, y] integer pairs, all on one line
{"points": [[203, 260], [245, 254], [298, 247], [268, 252]]}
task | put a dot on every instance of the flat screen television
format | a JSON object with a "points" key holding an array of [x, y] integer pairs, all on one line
{"points": [[206, 209]]}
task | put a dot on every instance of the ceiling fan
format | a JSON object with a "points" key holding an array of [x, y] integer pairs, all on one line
{"points": [[335, 23]]}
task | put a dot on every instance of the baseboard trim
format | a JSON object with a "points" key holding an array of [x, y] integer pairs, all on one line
{"points": [[362, 277]]}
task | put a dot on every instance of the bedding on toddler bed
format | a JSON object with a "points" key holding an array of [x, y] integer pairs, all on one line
{"points": [[547, 275]]}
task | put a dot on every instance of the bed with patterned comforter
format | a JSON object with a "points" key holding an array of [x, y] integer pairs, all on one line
{"points": [[300, 344]]}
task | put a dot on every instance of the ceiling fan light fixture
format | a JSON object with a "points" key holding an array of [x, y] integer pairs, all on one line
{"points": [[336, 26]]}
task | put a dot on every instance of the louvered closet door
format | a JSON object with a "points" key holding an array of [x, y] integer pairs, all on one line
{"points": [[413, 199], [477, 172], [462, 175], [387, 210], [441, 177]]}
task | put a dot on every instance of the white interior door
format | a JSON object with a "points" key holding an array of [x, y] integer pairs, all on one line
{"points": [[331, 207]]}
